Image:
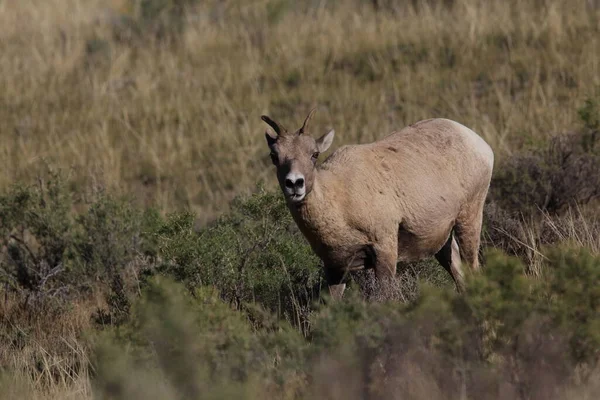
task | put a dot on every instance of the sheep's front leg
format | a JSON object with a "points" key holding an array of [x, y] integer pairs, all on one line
{"points": [[336, 281], [385, 268]]}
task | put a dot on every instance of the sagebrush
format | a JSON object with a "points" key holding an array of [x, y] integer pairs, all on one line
{"points": [[139, 258]]}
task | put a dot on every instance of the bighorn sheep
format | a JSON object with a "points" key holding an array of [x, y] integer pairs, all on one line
{"points": [[415, 193]]}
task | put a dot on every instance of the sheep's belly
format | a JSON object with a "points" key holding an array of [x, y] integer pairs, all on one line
{"points": [[349, 257]]}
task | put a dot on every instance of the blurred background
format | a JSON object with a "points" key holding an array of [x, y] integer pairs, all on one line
{"points": [[146, 252], [162, 99]]}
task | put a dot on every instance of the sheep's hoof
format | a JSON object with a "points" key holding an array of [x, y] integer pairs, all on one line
{"points": [[337, 291]]}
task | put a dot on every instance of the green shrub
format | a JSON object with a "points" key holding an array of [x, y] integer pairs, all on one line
{"points": [[505, 326], [53, 250], [590, 114], [234, 309], [482, 344], [256, 254], [253, 254], [544, 195], [575, 299], [548, 179], [190, 345], [58, 247], [563, 172], [36, 230]]}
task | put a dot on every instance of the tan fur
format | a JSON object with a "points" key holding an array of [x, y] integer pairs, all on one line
{"points": [[415, 193]]}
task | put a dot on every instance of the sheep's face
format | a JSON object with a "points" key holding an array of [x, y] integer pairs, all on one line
{"points": [[295, 156]]}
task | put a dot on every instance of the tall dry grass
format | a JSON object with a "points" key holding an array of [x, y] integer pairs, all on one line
{"points": [[177, 123], [44, 354]]}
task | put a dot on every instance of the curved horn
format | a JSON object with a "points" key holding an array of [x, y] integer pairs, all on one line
{"points": [[305, 124], [277, 127]]}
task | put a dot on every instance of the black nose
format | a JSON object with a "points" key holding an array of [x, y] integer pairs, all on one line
{"points": [[297, 184]]}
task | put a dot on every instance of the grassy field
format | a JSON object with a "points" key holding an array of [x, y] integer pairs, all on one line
{"points": [[173, 118], [139, 258]]}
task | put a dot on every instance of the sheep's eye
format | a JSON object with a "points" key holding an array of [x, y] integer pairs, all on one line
{"points": [[315, 156], [274, 157]]}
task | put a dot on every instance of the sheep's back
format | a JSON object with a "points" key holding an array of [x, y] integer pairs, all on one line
{"points": [[424, 173]]}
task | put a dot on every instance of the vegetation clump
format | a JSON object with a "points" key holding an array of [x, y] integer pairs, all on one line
{"points": [[155, 268], [236, 308]]}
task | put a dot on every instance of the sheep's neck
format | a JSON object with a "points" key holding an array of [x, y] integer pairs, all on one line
{"points": [[314, 215]]}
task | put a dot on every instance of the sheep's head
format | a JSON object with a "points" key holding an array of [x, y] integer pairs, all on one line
{"points": [[295, 156]]}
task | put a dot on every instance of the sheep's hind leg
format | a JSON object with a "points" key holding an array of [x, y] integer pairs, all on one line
{"points": [[335, 278], [449, 258], [468, 233]]}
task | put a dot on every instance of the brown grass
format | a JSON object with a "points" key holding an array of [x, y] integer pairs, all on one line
{"points": [[44, 352], [178, 125]]}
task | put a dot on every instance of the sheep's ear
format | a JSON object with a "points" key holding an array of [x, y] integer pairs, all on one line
{"points": [[270, 139], [325, 141]]}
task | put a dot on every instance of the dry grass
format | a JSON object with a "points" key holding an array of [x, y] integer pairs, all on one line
{"points": [[528, 237], [43, 352], [178, 125]]}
